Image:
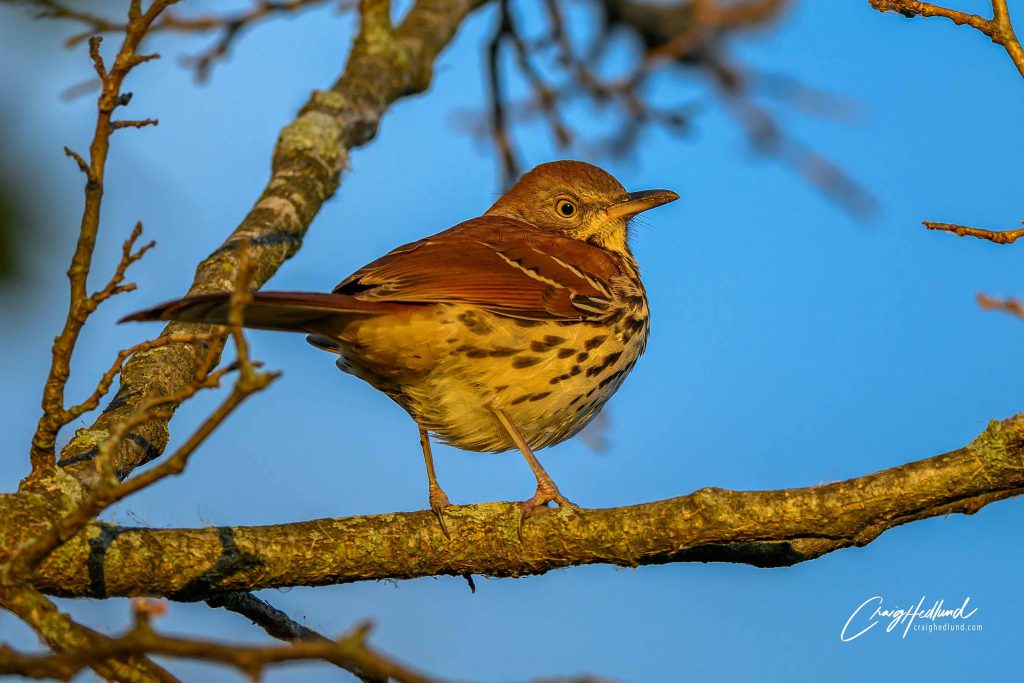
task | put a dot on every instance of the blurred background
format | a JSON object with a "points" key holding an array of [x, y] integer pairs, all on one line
{"points": [[792, 343]]}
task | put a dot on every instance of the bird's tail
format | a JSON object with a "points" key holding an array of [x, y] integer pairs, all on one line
{"points": [[288, 311]]}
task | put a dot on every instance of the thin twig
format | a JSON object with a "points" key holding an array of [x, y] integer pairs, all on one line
{"points": [[229, 25], [81, 304], [93, 401], [130, 123], [129, 255], [1012, 306], [999, 28], [997, 236]]}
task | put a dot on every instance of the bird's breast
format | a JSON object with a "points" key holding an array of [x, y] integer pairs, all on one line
{"points": [[450, 368]]}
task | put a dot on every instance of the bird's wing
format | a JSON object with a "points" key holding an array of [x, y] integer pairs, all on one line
{"points": [[499, 264]]}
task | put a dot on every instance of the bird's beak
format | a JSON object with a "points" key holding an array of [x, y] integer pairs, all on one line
{"points": [[636, 202]]}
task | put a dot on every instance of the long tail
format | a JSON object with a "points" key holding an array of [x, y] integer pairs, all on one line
{"points": [[288, 311]]}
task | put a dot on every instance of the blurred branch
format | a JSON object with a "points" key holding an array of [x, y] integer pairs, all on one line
{"points": [[999, 28], [695, 35], [510, 167], [229, 26], [999, 237], [350, 652], [690, 36], [384, 65], [1011, 306], [63, 634], [279, 625], [767, 136], [760, 528]]}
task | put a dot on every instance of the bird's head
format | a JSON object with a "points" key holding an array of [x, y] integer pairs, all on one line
{"points": [[580, 201]]}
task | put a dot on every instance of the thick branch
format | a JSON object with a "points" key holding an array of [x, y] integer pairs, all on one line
{"points": [[312, 151], [761, 528]]}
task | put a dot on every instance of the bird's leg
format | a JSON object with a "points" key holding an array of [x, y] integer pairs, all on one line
{"points": [[438, 498], [547, 491]]}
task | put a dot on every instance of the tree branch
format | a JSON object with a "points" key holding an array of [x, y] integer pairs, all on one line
{"points": [[109, 489], [998, 28], [997, 236], [279, 625], [1011, 306], [229, 25], [673, 37], [81, 304], [383, 66], [64, 635], [276, 623], [761, 528], [72, 642], [350, 651]]}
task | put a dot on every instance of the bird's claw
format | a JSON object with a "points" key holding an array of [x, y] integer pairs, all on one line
{"points": [[546, 493], [438, 502]]}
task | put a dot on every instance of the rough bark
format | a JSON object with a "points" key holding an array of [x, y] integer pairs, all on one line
{"points": [[761, 528]]}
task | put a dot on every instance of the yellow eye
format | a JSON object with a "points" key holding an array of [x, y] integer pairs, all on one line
{"points": [[565, 208]]}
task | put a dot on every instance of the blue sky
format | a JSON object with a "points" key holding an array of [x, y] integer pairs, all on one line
{"points": [[790, 344]]}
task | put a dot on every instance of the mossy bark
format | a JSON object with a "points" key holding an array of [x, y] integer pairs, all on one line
{"points": [[761, 528]]}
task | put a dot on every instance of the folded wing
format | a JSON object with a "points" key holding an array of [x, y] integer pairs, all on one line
{"points": [[497, 264]]}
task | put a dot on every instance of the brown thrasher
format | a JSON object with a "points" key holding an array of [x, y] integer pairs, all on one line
{"points": [[510, 330]]}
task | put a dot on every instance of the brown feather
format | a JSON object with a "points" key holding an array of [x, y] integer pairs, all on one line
{"points": [[287, 311], [499, 264]]}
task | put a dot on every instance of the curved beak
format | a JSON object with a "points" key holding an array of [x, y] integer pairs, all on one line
{"points": [[637, 202]]}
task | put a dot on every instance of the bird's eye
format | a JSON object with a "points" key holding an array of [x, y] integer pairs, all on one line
{"points": [[565, 208]]}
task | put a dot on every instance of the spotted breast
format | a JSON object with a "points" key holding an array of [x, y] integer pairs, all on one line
{"points": [[550, 366]]}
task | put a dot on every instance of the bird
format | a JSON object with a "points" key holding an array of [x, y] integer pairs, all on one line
{"points": [[508, 331]]}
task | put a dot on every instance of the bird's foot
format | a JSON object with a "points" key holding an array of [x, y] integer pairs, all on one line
{"points": [[438, 502], [546, 493]]}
